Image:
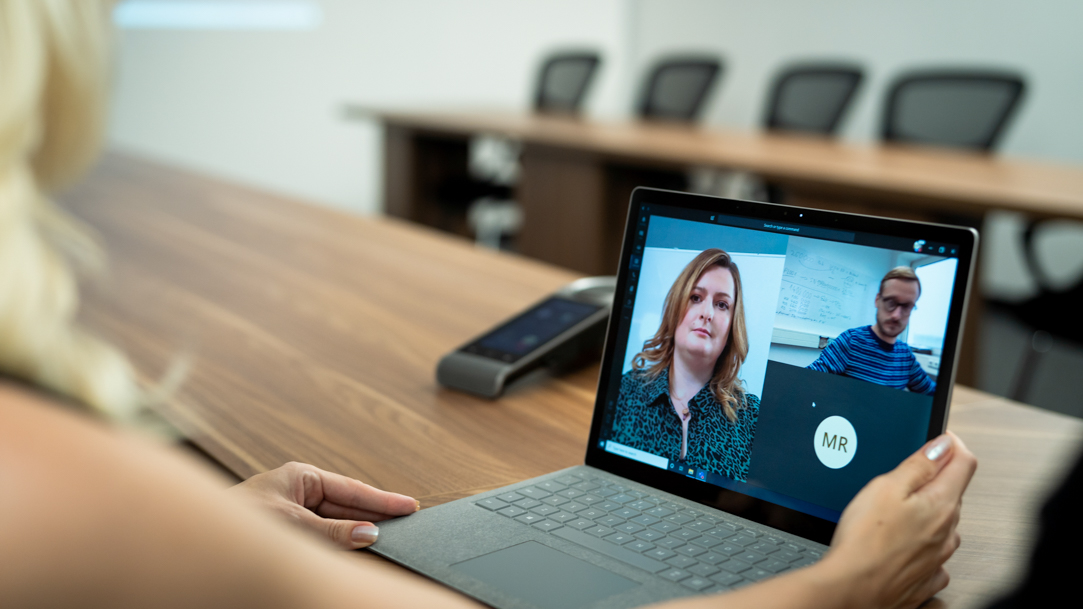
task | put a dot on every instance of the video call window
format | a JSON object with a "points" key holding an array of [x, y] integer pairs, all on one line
{"points": [[788, 368]]}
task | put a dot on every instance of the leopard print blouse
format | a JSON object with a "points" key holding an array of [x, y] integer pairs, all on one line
{"points": [[644, 419]]}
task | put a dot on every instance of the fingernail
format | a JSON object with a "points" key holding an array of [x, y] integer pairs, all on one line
{"points": [[938, 448], [418, 508], [365, 533]]}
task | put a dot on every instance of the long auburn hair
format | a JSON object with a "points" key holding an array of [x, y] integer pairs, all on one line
{"points": [[657, 353]]}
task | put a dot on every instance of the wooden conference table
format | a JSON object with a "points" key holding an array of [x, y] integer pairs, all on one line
{"points": [[314, 337]]}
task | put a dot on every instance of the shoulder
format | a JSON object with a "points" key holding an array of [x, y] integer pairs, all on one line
{"points": [[639, 386], [750, 406]]}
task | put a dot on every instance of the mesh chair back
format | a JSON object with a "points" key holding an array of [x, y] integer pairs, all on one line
{"points": [[812, 98], [957, 109], [563, 82], [677, 88]]}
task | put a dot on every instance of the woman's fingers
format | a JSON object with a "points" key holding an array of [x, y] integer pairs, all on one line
{"points": [[949, 485], [342, 512], [349, 493], [935, 583], [346, 534]]}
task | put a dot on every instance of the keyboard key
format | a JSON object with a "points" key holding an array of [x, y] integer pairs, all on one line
{"points": [[702, 570], [751, 557], [645, 520], [599, 531], [641, 505], [586, 487], [707, 541], [690, 550], [529, 518], [700, 526], [679, 518], [635, 559], [733, 526], [788, 556], [628, 527], [814, 554], [620, 538], [681, 562], [545, 510], [637, 494], [660, 553], [510, 497], [622, 498], [670, 543], [551, 486], [742, 540], [675, 575], [756, 574], [725, 578], [774, 566], [735, 566], [573, 506], [775, 540], [534, 493], [650, 535], [588, 499], [608, 506], [665, 527], [592, 514], [563, 516], [546, 525], [570, 493], [605, 492], [752, 533], [712, 558], [568, 480], [804, 562], [512, 511], [697, 583], [492, 503], [580, 523], [609, 520], [555, 500], [640, 546], [729, 549], [763, 547], [673, 506], [684, 534], [526, 504], [658, 512], [793, 547]]}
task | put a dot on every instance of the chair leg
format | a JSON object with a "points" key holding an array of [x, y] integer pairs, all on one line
{"points": [[1040, 343]]}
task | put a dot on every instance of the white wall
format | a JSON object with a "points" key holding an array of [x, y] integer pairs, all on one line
{"points": [[264, 107], [1037, 38]]}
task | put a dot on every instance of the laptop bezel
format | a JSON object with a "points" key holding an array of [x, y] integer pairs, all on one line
{"points": [[758, 510]]}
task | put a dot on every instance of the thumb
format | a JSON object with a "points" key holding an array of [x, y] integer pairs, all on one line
{"points": [[921, 467], [346, 534]]}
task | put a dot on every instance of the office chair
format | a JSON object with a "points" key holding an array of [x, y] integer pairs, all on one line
{"points": [[676, 88], [809, 98], [954, 108], [563, 82]]}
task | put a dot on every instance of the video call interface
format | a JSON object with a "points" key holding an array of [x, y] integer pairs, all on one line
{"points": [[786, 362]]}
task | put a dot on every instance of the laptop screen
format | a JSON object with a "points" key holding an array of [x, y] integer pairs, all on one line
{"points": [[787, 362]]}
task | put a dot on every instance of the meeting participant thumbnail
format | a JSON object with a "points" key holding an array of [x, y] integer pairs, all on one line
{"points": [[874, 352], [683, 398]]}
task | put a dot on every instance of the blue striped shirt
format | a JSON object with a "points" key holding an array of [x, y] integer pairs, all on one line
{"points": [[861, 354]]}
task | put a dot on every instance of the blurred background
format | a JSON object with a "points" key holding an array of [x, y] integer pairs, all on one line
{"points": [[286, 96]]}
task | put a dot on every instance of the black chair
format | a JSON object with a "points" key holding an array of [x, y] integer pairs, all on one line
{"points": [[563, 82], [954, 108], [811, 98], [676, 88]]}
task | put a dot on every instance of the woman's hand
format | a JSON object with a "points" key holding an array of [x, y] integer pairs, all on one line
{"points": [[895, 536], [339, 508]]}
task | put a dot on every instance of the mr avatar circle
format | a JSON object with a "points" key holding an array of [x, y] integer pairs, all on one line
{"points": [[835, 442]]}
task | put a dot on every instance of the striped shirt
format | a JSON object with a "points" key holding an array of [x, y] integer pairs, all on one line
{"points": [[861, 354]]}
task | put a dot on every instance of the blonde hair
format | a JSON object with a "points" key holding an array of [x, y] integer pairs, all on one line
{"points": [[54, 56], [904, 273], [657, 353]]}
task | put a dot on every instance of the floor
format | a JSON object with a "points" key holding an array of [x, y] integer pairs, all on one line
{"points": [[1057, 383]]}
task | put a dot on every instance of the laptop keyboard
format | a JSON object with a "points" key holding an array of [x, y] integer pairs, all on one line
{"points": [[704, 552]]}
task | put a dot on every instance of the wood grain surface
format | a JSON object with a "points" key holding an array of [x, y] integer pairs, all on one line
{"points": [[939, 179], [314, 336]]}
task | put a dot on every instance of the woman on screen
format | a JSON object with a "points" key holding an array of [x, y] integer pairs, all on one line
{"points": [[682, 399]]}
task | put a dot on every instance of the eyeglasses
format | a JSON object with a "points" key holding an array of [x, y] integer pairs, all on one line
{"points": [[890, 304]]}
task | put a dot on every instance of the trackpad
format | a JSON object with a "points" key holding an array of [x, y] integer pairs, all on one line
{"points": [[545, 577]]}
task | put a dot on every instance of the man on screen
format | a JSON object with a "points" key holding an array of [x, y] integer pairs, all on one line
{"points": [[874, 353]]}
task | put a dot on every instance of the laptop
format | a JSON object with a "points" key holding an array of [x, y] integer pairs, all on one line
{"points": [[762, 363]]}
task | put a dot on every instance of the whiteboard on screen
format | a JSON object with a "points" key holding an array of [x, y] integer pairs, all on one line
{"points": [[828, 287]]}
